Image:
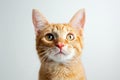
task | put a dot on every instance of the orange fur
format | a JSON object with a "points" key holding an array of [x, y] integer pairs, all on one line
{"points": [[68, 69]]}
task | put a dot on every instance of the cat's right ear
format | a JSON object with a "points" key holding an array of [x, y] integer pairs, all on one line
{"points": [[39, 21]]}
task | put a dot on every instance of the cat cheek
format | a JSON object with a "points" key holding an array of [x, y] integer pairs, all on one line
{"points": [[69, 47], [46, 43]]}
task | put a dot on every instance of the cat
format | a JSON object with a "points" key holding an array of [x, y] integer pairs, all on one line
{"points": [[59, 47]]}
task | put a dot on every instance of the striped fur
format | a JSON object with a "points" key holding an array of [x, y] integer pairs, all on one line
{"points": [[55, 66]]}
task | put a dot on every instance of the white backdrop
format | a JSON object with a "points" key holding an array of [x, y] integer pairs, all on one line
{"points": [[18, 57]]}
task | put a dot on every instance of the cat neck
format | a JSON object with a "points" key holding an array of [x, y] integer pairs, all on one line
{"points": [[71, 62]]}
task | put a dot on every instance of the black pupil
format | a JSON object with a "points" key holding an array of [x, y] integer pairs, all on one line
{"points": [[70, 36], [50, 37]]}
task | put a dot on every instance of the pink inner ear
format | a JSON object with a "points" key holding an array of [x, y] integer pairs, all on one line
{"points": [[39, 21], [78, 19], [83, 21]]}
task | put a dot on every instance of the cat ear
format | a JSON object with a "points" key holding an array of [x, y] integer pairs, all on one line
{"points": [[39, 21], [78, 20]]}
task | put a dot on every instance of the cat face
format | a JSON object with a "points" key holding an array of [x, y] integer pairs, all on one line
{"points": [[58, 42]]}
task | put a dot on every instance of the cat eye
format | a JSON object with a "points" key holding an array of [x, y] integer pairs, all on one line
{"points": [[49, 37], [70, 37]]}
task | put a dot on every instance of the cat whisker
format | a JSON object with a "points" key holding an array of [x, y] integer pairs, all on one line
{"points": [[44, 55], [43, 58], [43, 47]]}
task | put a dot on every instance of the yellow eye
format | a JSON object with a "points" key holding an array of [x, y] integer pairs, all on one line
{"points": [[49, 37], [70, 37]]}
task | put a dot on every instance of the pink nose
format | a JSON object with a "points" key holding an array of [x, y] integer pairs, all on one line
{"points": [[60, 45]]}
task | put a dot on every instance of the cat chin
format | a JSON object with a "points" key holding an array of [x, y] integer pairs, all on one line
{"points": [[62, 57]]}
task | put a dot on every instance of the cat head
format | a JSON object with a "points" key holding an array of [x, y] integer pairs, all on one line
{"points": [[58, 42]]}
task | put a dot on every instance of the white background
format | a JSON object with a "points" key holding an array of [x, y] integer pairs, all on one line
{"points": [[18, 57]]}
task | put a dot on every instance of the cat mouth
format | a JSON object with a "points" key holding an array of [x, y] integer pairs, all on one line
{"points": [[60, 53]]}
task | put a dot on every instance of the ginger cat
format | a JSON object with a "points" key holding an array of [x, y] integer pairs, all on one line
{"points": [[59, 47]]}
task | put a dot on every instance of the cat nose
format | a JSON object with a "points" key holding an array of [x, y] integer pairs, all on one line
{"points": [[60, 45]]}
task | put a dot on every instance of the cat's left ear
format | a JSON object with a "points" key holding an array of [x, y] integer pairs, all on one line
{"points": [[78, 20], [39, 21]]}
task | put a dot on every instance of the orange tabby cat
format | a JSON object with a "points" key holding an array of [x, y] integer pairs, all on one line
{"points": [[59, 47]]}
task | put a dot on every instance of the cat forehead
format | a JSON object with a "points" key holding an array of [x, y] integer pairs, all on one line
{"points": [[59, 28]]}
